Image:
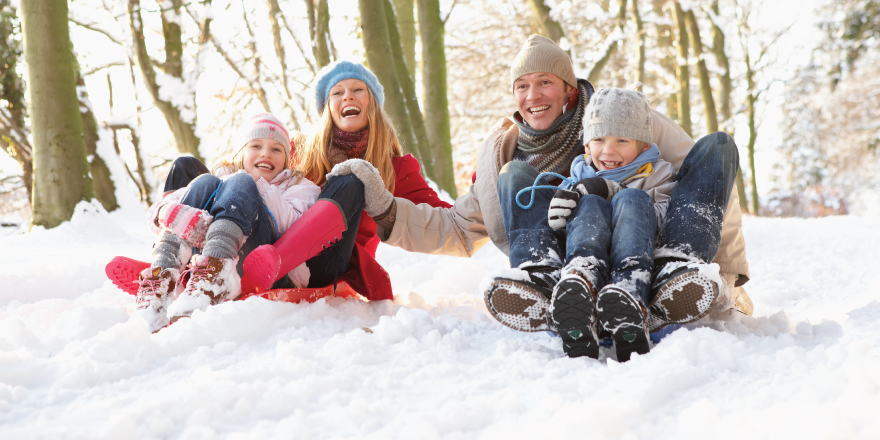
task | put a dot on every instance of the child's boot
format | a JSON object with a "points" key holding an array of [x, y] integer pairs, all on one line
{"points": [[573, 310], [321, 226], [211, 282], [154, 294], [625, 317], [213, 277]]}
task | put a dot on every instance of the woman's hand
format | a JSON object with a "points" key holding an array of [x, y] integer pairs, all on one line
{"points": [[377, 198]]}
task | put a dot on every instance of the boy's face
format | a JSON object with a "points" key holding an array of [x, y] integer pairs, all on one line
{"points": [[612, 152]]}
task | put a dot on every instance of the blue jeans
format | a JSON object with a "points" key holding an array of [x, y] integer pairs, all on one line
{"points": [[692, 230], [183, 171], [236, 199], [348, 193], [533, 243], [619, 236]]}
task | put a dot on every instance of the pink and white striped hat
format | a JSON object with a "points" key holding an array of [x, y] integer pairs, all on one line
{"points": [[265, 126]]}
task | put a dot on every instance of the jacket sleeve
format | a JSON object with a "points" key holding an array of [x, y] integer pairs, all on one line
{"points": [[660, 186], [153, 211], [458, 230], [411, 185], [673, 142]]}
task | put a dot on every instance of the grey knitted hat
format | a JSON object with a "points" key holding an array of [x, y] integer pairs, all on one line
{"points": [[541, 54], [620, 113]]}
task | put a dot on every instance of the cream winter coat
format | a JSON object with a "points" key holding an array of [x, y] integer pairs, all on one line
{"points": [[476, 216]]}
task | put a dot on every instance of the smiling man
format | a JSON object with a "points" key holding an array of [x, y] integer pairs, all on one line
{"points": [[545, 135]]}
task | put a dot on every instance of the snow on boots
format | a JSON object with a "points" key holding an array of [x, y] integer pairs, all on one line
{"points": [[211, 282], [625, 317], [573, 310], [685, 296], [155, 293], [521, 302], [320, 227]]}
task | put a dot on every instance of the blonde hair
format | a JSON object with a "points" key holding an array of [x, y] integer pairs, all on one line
{"points": [[382, 145], [235, 163]]}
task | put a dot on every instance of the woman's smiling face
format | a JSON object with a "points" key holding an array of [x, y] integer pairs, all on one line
{"points": [[263, 158], [349, 101]]}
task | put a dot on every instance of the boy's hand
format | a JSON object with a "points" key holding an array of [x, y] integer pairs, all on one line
{"points": [[598, 186], [561, 206]]}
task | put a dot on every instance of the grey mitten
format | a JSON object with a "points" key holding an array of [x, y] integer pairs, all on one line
{"points": [[598, 186], [561, 206], [377, 198]]}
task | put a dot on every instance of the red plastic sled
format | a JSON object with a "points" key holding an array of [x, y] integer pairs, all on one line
{"points": [[123, 272]]}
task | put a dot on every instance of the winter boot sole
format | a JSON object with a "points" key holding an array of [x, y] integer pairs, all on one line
{"points": [[574, 316], [684, 298], [520, 305], [624, 317]]}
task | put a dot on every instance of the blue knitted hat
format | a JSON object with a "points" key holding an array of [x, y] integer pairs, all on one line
{"points": [[340, 70]]}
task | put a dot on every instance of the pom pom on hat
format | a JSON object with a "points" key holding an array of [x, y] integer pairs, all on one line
{"points": [[340, 70]]}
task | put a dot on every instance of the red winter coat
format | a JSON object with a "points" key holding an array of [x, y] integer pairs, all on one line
{"points": [[365, 274]]}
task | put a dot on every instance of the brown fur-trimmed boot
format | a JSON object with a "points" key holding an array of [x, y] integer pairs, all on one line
{"points": [[212, 281], [155, 292]]}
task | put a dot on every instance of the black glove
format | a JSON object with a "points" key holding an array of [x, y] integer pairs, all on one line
{"points": [[561, 206], [598, 186]]}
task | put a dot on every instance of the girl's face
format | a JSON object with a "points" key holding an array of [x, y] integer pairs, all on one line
{"points": [[263, 158], [611, 152], [349, 101]]}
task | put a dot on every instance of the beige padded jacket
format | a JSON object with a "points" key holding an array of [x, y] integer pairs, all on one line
{"points": [[476, 216]]}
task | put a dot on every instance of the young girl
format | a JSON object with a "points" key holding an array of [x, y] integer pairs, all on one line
{"points": [[249, 200]]}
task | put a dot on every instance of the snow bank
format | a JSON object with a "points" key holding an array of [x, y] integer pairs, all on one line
{"points": [[433, 364]]}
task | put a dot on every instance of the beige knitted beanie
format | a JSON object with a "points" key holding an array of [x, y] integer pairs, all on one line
{"points": [[619, 113], [541, 54]]}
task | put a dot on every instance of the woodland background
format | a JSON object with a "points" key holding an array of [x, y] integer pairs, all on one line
{"points": [[794, 82]]}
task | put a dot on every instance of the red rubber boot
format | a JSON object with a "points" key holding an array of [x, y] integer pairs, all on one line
{"points": [[321, 226], [123, 272]]}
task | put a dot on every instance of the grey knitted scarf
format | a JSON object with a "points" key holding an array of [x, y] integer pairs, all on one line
{"points": [[553, 149]]}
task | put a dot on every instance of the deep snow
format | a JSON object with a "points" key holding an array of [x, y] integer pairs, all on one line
{"points": [[433, 363]]}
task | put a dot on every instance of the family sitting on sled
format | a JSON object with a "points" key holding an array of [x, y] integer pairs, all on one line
{"points": [[626, 213]]}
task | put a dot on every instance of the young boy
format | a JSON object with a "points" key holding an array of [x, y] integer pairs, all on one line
{"points": [[611, 215]]}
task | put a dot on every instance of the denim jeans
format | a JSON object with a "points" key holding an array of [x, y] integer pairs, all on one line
{"points": [[617, 237], [348, 193], [533, 243], [236, 199], [692, 230], [183, 171]]}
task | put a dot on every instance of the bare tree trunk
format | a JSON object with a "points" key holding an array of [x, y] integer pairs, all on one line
{"points": [[684, 94], [61, 172], [319, 31], [544, 23], [105, 189], [703, 71], [12, 115], [596, 72], [421, 148], [182, 130], [274, 21], [718, 42], [640, 35], [436, 102], [751, 100], [257, 63], [406, 24], [377, 46], [667, 61]]}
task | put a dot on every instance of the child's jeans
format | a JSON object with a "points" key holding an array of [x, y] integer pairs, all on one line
{"points": [[236, 199], [619, 235]]}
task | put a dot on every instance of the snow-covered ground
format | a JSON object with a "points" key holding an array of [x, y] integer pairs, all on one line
{"points": [[434, 364]]}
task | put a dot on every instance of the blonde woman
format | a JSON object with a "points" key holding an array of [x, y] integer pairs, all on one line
{"points": [[356, 138]]}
